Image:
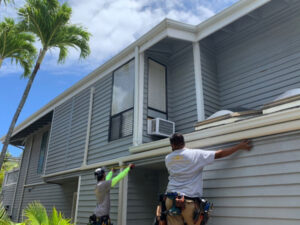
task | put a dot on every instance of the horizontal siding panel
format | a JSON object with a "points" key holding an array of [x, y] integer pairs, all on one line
{"points": [[69, 127], [251, 71], [209, 77], [51, 195]]}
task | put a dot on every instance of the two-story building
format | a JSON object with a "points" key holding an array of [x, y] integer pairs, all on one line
{"points": [[241, 60]]}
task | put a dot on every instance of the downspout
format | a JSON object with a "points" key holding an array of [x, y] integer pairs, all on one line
{"points": [[198, 82], [88, 130]]}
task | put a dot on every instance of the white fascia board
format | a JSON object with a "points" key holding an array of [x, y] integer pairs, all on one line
{"points": [[163, 34], [181, 34], [227, 16]]}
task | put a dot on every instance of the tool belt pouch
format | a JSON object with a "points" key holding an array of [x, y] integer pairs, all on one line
{"points": [[92, 220], [206, 208], [179, 202]]}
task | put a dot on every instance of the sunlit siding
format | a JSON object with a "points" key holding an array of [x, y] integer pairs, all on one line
{"points": [[68, 133], [257, 187], [260, 61]]}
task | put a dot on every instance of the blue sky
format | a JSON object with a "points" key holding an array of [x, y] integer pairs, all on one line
{"points": [[113, 25]]}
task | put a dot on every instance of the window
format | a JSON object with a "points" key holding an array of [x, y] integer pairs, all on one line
{"points": [[11, 177], [121, 122], [42, 153], [157, 97]]}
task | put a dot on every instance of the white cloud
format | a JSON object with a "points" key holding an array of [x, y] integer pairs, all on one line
{"points": [[116, 24]]}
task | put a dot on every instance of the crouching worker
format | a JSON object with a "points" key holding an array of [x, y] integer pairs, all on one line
{"points": [[184, 191], [104, 184]]}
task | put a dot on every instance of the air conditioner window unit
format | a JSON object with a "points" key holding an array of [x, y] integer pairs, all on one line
{"points": [[161, 127]]}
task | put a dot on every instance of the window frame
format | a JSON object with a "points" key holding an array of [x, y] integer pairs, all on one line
{"points": [[119, 113], [166, 89], [40, 168]]}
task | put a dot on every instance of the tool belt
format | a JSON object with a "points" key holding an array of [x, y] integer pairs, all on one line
{"points": [[103, 220], [202, 207], [178, 203]]}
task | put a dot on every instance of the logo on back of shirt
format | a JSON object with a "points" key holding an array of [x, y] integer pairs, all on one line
{"points": [[177, 157]]}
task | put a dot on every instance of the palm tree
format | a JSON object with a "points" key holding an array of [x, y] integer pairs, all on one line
{"points": [[16, 45], [6, 1], [36, 214], [49, 21]]}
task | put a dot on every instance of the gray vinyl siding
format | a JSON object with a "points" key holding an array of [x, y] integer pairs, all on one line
{"points": [[261, 60], [7, 196], [142, 197], [87, 199], [100, 148], [209, 77], [21, 180], [32, 175], [257, 187], [51, 195], [181, 91], [68, 133]]}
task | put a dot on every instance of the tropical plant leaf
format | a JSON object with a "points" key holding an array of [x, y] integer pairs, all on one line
{"points": [[16, 45], [36, 214], [4, 218]]}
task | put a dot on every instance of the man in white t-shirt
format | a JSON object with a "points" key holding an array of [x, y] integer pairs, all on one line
{"points": [[185, 175]]}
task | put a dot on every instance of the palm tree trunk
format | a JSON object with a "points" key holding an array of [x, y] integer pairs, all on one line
{"points": [[1, 60], [21, 104]]}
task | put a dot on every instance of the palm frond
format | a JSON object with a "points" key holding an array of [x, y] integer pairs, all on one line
{"points": [[36, 214], [7, 1], [49, 21], [4, 219], [17, 45]]}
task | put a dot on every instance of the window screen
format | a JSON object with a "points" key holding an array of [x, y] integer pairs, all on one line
{"points": [[157, 86]]}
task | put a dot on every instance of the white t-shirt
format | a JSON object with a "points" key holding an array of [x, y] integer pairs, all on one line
{"points": [[185, 170]]}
